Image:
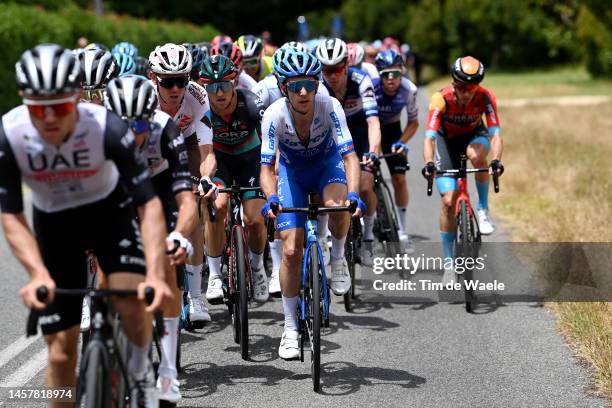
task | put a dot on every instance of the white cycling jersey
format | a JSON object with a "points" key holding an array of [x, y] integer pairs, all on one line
{"points": [[245, 81], [268, 91], [369, 69], [329, 134]]}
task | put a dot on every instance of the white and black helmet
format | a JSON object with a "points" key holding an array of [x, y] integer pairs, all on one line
{"points": [[131, 97], [295, 44], [331, 51], [48, 69], [170, 59], [97, 67]]}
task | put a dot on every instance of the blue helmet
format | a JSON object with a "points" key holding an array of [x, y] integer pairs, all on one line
{"points": [[388, 58], [197, 55], [125, 48], [126, 64], [297, 63]]}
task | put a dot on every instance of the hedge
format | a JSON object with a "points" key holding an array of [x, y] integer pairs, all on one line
{"points": [[24, 26]]}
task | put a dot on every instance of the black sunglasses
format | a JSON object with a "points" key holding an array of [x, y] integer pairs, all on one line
{"points": [[171, 82]]}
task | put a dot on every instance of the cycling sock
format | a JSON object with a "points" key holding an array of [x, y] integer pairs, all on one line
{"points": [[214, 267], [483, 194], [368, 226], [322, 226], [448, 240], [401, 219], [139, 360], [194, 279], [290, 309], [256, 260], [167, 367], [337, 249], [276, 251]]}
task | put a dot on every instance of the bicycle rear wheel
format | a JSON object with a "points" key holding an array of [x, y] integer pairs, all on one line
{"points": [[465, 243], [242, 295], [316, 314], [390, 222]]}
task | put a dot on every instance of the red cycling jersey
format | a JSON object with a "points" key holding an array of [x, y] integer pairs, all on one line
{"points": [[448, 117]]}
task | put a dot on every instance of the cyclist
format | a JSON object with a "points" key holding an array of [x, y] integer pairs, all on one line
{"points": [[354, 89], [455, 127], [356, 53], [220, 38], [126, 64], [97, 68], [142, 66], [233, 52], [315, 147], [79, 161], [99, 46], [255, 64], [126, 48], [187, 103], [236, 121], [394, 92], [197, 58], [159, 141]]}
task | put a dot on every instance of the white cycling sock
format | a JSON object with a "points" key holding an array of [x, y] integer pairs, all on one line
{"points": [[368, 226], [276, 251], [290, 309], [167, 367], [139, 361], [322, 226], [401, 219], [256, 259], [214, 267], [337, 249], [194, 279]]}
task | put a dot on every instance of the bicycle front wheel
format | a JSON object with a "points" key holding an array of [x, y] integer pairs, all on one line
{"points": [[390, 221], [349, 253], [316, 313], [465, 244], [242, 295], [97, 387]]}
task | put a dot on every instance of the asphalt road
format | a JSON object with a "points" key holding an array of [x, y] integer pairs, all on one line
{"points": [[385, 353]]}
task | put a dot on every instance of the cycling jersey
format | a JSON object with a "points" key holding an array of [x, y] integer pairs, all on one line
{"points": [[329, 134], [390, 107], [449, 118], [265, 67], [268, 91], [242, 132], [85, 169], [194, 114], [164, 151], [369, 69], [245, 81]]}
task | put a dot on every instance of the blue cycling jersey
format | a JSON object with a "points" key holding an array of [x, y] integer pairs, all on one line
{"points": [[390, 107]]}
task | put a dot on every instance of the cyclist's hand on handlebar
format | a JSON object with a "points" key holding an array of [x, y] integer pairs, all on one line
{"points": [[28, 292], [163, 293], [370, 159], [208, 189], [429, 169], [179, 248], [400, 147], [267, 210], [361, 207], [496, 167]]}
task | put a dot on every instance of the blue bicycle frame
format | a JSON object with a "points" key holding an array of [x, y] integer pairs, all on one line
{"points": [[313, 243]]}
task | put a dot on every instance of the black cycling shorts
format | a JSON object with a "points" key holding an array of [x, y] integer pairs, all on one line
{"points": [[108, 227], [449, 151], [391, 133], [243, 167]]}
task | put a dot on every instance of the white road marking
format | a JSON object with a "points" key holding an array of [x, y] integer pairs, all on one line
{"points": [[27, 371], [15, 348]]}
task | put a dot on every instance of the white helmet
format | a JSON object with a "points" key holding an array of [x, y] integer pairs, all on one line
{"points": [[331, 51], [295, 44], [170, 59], [131, 97]]}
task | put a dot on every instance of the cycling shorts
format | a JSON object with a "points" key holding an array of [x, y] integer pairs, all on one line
{"points": [[294, 185], [243, 167], [391, 133], [107, 227]]}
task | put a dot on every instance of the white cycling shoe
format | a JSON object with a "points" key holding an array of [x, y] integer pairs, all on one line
{"points": [[341, 279], [198, 312], [367, 253], [214, 292], [144, 394], [484, 222], [260, 283], [168, 389], [448, 277], [274, 285], [289, 348], [407, 244]]}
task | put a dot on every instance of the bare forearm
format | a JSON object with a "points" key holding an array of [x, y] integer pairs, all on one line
{"points": [[374, 134], [429, 145], [23, 244], [208, 165], [497, 147], [187, 210], [353, 171], [267, 180], [410, 131], [153, 233]]}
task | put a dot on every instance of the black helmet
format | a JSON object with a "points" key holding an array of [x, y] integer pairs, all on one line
{"points": [[468, 70]]}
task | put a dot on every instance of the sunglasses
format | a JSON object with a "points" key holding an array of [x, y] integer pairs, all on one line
{"points": [[251, 61], [139, 126], [465, 87], [390, 74], [60, 107], [334, 69], [171, 82], [91, 94], [224, 86], [308, 84]]}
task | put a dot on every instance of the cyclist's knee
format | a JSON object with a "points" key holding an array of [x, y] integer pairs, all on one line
{"points": [[292, 254], [448, 200], [63, 351], [477, 154], [399, 181]]}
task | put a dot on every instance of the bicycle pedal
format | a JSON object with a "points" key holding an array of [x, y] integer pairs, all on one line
{"points": [[197, 325], [217, 301]]}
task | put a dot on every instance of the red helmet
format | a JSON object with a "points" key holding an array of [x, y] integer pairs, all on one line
{"points": [[230, 50], [221, 38], [355, 54]]}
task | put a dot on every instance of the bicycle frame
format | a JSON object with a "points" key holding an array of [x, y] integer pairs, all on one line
{"points": [[312, 242]]}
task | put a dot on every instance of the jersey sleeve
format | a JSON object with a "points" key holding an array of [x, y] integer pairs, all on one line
{"points": [[261, 90], [410, 93], [492, 118], [173, 149], [256, 111], [342, 135], [11, 198], [436, 110], [269, 141], [120, 147], [368, 98], [203, 125]]}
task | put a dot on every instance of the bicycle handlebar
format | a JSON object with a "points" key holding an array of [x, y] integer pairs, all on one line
{"points": [[458, 171]]}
